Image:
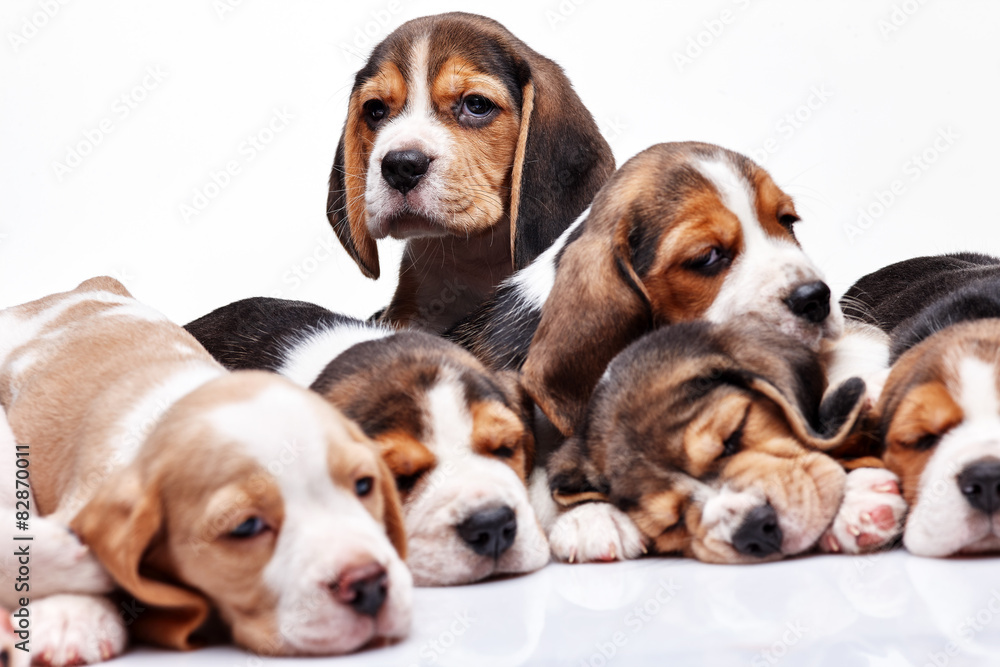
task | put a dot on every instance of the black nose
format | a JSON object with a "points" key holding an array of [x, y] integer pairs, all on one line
{"points": [[980, 484], [363, 588], [403, 169], [810, 301], [490, 532], [759, 535]]}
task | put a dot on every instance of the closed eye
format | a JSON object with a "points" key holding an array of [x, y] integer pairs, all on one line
{"points": [[788, 220], [405, 483], [710, 263], [926, 442], [504, 452], [734, 443], [250, 528]]}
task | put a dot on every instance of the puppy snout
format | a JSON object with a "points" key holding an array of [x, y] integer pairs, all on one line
{"points": [[810, 301], [490, 532], [363, 587], [402, 170], [759, 535], [979, 482]]}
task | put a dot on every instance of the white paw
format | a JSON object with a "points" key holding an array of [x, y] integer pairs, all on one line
{"points": [[64, 564], [75, 630], [870, 516], [595, 532]]}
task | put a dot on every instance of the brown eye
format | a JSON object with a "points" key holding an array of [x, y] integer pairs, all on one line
{"points": [[788, 220], [477, 105], [375, 111]]}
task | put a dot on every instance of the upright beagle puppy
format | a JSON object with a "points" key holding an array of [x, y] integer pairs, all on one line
{"points": [[201, 492], [939, 411], [710, 439], [682, 231], [456, 436], [470, 146]]}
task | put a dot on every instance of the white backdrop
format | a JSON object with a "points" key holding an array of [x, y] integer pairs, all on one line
{"points": [[119, 121]]}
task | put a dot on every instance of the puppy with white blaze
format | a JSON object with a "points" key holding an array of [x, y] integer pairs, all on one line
{"points": [[236, 498], [457, 437]]}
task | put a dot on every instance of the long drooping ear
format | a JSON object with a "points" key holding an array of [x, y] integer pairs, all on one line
{"points": [[120, 524], [597, 306], [838, 413], [345, 204], [560, 163], [392, 514]]}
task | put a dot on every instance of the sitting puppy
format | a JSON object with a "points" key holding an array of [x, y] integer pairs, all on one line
{"points": [[681, 232], [939, 411], [196, 489], [455, 435], [470, 146], [710, 438]]}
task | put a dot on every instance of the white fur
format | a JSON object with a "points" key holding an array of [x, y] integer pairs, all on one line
{"points": [[942, 522], [461, 484], [595, 532], [726, 510], [416, 128], [69, 628], [862, 351], [326, 528], [307, 359], [767, 270], [534, 282]]}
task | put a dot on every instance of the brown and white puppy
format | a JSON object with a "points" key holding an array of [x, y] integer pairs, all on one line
{"points": [[711, 440], [939, 411], [456, 436], [198, 490], [682, 231], [473, 148]]}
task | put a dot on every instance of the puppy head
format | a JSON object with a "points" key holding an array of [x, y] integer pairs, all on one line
{"points": [[455, 126], [458, 440], [705, 436], [940, 417], [681, 232], [256, 498]]}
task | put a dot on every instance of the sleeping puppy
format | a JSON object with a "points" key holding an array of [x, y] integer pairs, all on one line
{"points": [[682, 231], [204, 494], [456, 436], [472, 148], [710, 439], [939, 411]]}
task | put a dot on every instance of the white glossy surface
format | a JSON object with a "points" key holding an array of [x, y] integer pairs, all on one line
{"points": [[886, 610]]}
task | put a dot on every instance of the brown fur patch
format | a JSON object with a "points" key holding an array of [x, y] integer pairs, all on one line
{"points": [[498, 433]]}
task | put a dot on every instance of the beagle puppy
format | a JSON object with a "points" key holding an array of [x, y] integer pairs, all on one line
{"points": [[456, 436], [710, 440], [939, 410], [682, 231], [237, 498], [471, 147]]}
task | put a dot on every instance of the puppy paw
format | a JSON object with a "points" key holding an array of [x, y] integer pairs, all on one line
{"points": [[64, 564], [595, 532], [75, 630], [870, 516]]}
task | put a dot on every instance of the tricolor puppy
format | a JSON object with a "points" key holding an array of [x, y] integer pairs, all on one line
{"points": [[201, 492], [682, 231], [711, 439], [940, 408], [456, 436], [470, 146]]}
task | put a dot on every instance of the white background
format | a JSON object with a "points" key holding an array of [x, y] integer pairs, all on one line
{"points": [[887, 95], [225, 70]]}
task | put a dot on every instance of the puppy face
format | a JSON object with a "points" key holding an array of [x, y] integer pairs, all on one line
{"points": [[456, 439], [681, 232], [443, 128], [940, 416], [699, 434], [256, 498]]}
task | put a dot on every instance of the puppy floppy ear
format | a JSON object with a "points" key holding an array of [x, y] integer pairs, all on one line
{"points": [[585, 322], [345, 204], [120, 524], [392, 511], [560, 162], [838, 413]]}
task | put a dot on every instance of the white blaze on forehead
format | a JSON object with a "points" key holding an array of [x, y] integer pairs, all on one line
{"points": [[735, 192], [448, 419], [307, 359], [418, 96], [977, 389]]}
